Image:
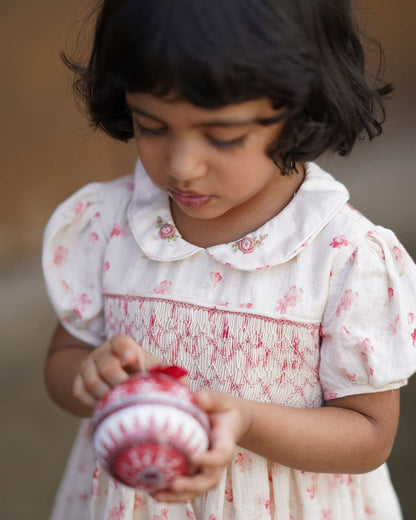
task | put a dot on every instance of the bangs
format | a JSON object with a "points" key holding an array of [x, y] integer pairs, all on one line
{"points": [[303, 55], [209, 53]]}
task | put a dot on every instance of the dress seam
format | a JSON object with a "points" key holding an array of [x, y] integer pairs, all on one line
{"points": [[180, 303]]}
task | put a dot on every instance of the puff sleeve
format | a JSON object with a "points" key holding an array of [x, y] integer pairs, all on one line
{"points": [[369, 325], [73, 259]]}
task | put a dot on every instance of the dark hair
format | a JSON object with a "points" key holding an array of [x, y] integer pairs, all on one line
{"points": [[303, 54]]}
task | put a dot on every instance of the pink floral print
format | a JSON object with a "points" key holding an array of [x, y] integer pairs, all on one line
{"points": [[369, 510], [139, 501], [353, 257], [117, 512], [81, 301], [248, 244], [119, 230], [93, 237], [347, 301], [215, 278], [395, 324], [81, 207], [60, 256], [164, 287], [244, 461], [229, 494], [163, 515], [400, 255], [340, 241], [264, 503], [167, 231], [290, 299], [349, 375]]}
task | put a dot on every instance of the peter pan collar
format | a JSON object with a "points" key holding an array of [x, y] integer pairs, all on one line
{"points": [[280, 239]]}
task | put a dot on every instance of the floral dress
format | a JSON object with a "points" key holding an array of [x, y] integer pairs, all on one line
{"points": [[317, 303]]}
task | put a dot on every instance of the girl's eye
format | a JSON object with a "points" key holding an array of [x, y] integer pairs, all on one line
{"points": [[228, 145], [150, 132]]}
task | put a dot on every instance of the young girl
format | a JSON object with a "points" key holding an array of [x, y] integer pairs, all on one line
{"points": [[230, 253]]}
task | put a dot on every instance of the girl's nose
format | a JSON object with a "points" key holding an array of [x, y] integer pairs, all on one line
{"points": [[185, 161]]}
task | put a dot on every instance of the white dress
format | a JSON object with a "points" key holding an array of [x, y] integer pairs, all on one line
{"points": [[317, 303]]}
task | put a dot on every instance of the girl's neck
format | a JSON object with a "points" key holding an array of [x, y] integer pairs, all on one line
{"points": [[242, 220]]}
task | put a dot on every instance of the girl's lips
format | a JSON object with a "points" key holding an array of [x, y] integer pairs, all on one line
{"points": [[190, 199]]}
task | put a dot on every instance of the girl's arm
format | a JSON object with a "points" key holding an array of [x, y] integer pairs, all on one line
{"points": [[77, 375], [352, 434]]}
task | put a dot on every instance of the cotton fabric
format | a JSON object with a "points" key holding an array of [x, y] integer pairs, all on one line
{"points": [[317, 303]]}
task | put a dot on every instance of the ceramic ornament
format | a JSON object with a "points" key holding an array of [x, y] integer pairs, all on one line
{"points": [[146, 428]]}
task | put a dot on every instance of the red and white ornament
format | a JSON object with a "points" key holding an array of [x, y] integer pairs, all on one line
{"points": [[146, 428]]}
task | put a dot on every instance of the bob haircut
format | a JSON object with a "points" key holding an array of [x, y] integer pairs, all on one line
{"points": [[305, 55]]}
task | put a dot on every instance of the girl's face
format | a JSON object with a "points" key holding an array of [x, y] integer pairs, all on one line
{"points": [[211, 162]]}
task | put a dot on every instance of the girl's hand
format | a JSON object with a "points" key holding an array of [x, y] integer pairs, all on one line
{"points": [[228, 425], [107, 365]]}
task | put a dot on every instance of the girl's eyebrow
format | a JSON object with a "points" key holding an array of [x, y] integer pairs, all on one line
{"points": [[214, 122]]}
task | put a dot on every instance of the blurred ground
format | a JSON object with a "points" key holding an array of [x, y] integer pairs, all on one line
{"points": [[46, 152]]}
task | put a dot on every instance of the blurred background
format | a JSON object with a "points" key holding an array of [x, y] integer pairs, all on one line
{"points": [[47, 151]]}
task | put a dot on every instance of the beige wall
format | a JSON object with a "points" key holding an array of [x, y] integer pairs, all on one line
{"points": [[47, 151]]}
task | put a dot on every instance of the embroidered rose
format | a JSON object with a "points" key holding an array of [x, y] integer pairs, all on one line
{"points": [[166, 231], [247, 244]]}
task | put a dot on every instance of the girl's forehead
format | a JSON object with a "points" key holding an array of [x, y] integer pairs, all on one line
{"points": [[165, 108]]}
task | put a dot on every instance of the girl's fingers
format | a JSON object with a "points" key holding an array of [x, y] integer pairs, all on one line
{"points": [[214, 458], [82, 394], [92, 380], [109, 370], [213, 401], [130, 355], [185, 489]]}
